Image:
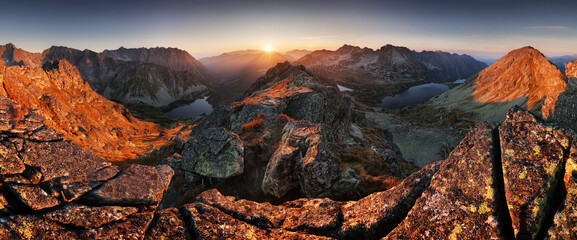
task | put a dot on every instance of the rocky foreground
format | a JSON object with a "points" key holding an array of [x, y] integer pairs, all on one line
{"points": [[518, 178]]}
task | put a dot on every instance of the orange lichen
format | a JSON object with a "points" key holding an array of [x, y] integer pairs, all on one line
{"points": [[284, 118], [254, 124]]}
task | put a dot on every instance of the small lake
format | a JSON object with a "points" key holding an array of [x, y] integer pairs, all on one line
{"points": [[414, 95], [190, 110]]}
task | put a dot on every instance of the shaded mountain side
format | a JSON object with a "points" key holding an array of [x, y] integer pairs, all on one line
{"points": [[387, 71], [70, 106], [522, 77], [130, 81], [236, 71], [561, 61], [291, 136], [173, 58]]}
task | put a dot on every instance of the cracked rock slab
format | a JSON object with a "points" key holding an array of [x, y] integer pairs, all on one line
{"points": [[264, 215], [461, 200], [33, 196], [532, 155], [137, 185], [89, 217]]}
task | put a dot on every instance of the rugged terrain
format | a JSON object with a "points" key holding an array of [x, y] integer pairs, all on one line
{"points": [[291, 135], [515, 179], [142, 76], [70, 106], [373, 74]]}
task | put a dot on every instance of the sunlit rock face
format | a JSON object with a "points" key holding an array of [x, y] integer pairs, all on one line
{"points": [[70, 106], [522, 72]]}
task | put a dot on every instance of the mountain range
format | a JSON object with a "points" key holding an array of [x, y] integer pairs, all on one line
{"points": [[373, 74], [154, 77]]}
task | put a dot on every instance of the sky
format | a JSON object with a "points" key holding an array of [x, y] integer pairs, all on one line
{"points": [[482, 28]]}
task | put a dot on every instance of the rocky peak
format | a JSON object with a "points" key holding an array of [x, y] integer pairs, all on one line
{"points": [[571, 69], [348, 49], [522, 72]]}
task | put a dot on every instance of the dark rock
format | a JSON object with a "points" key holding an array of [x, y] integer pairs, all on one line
{"points": [[89, 217], [215, 152], [167, 224], [377, 214], [463, 197], [100, 175], [59, 159], [565, 222], [319, 215], [303, 158], [46, 134], [133, 228], [33, 196], [263, 215], [532, 155], [137, 185]]}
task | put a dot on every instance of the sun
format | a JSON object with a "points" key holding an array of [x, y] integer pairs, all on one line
{"points": [[268, 48]]}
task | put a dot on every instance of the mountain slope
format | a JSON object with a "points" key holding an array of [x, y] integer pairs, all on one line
{"points": [[387, 71], [59, 94], [16, 56], [523, 77]]}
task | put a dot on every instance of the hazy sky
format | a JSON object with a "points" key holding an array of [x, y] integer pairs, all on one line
{"points": [[209, 27]]}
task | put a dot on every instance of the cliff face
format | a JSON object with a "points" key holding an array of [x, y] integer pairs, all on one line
{"points": [[522, 72], [70, 106], [387, 71]]}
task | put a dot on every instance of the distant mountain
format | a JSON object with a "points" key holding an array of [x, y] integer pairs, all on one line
{"points": [[70, 106], [522, 77], [173, 58], [13, 56], [297, 53], [236, 71], [560, 61], [387, 71], [154, 77]]}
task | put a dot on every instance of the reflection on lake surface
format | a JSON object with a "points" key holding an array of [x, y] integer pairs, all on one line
{"points": [[414, 95], [190, 110]]}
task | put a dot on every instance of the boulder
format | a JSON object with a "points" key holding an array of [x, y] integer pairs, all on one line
{"points": [[137, 185], [303, 159], [88, 216], [214, 152], [167, 224]]}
